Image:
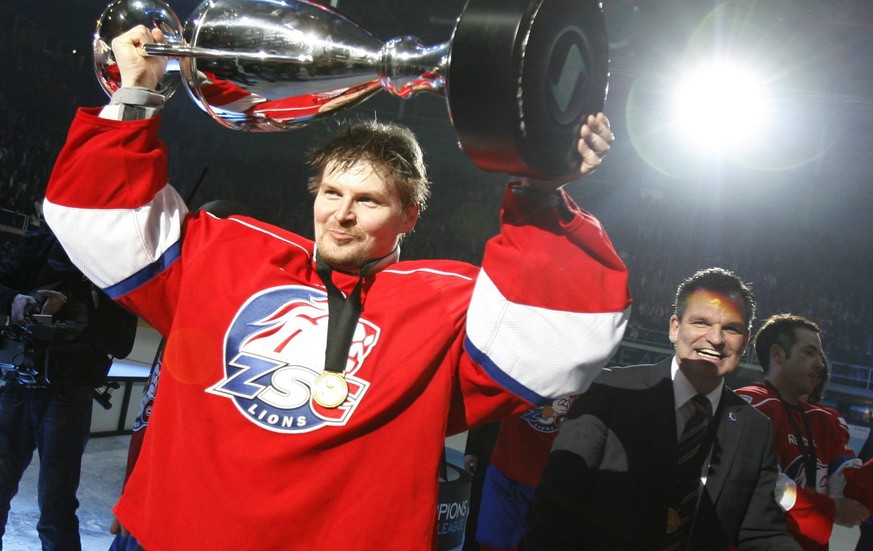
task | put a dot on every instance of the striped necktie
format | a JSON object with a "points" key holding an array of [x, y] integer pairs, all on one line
{"points": [[680, 517]]}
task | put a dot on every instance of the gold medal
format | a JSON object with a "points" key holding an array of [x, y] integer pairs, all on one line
{"points": [[673, 520], [330, 389]]}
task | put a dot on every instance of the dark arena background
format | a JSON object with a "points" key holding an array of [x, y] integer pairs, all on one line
{"points": [[787, 205]]}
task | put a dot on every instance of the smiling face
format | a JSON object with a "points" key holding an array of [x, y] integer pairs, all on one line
{"points": [[710, 338], [359, 216]]}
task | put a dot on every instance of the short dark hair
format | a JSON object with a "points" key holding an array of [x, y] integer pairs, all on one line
{"points": [[718, 280], [779, 329], [391, 148]]}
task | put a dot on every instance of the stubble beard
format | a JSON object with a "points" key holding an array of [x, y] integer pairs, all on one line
{"points": [[348, 257]]}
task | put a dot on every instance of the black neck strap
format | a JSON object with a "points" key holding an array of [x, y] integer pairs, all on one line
{"points": [[343, 315], [804, 441]]}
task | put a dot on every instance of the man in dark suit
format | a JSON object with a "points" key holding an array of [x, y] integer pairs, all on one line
{"points": [[614, 480]]}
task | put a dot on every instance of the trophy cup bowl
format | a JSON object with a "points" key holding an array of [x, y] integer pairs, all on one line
{"points": [[519, 76], [118, 18]]}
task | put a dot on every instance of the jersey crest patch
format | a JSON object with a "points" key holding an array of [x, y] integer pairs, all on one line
{"points": [[547, 419], [273, 352]]}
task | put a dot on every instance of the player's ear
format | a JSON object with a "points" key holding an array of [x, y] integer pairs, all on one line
{"points": [[674, 329], [411, 213], [777, 353]]}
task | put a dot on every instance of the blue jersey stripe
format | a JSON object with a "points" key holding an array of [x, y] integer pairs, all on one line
{"points": [[501, 377], [146, 274]]}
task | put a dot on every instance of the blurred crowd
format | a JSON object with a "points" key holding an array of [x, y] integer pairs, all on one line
{"points": [[38, 95], [790, 267]]}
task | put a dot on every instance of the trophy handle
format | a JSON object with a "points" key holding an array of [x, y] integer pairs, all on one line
{"points": [[119, 17], [181, 50]]}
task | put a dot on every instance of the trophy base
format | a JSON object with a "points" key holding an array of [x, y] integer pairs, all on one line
{"points": [[523, 77]]}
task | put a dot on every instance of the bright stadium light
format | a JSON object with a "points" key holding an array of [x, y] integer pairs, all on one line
{"points": [[721, 108]]}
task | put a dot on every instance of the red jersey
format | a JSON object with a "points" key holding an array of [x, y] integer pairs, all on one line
{"points": [[237, 454], [810, 512]]}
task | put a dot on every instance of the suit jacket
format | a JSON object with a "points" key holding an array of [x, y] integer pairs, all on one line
{"points": [[611, 473]]}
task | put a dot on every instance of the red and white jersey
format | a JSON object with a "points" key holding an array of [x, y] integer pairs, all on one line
{"points": [[237, 454], [810, 512]]}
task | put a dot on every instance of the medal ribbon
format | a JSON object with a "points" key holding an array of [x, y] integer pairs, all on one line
{"points": [[807, 446], [343, 315]]}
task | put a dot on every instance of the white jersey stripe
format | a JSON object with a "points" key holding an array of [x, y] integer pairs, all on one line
{"points": [[426, 270], [504, 333], [153, 229]]}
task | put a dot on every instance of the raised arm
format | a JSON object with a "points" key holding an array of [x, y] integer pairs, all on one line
{"points": [[108, 200]]}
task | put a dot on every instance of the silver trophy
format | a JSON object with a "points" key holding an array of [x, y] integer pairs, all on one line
{"points": [[519, 76]]}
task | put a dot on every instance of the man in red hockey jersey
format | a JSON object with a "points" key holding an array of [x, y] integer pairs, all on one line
{"points": [[292, 368], [516, 464], [811, 442]]}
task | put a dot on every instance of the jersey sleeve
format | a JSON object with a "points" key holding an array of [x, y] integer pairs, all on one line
{"points": [[809, 515], [849, 476], [110, 206], [551, 301], [858, 481]]}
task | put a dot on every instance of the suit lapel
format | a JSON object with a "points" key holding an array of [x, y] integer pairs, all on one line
{"points": [[731, 416]]}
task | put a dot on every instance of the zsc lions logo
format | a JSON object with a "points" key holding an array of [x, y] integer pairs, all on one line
{"points": [[548, 418], [273, 352]]}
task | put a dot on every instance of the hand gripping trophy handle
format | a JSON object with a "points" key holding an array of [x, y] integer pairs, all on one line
{"points": [[519, 76]]}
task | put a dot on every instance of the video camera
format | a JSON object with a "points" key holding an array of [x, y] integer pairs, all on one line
{"points": [[23, 346], [26, 351]]}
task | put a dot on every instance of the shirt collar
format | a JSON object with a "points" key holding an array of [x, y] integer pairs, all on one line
{"points": [[683, 390]]}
